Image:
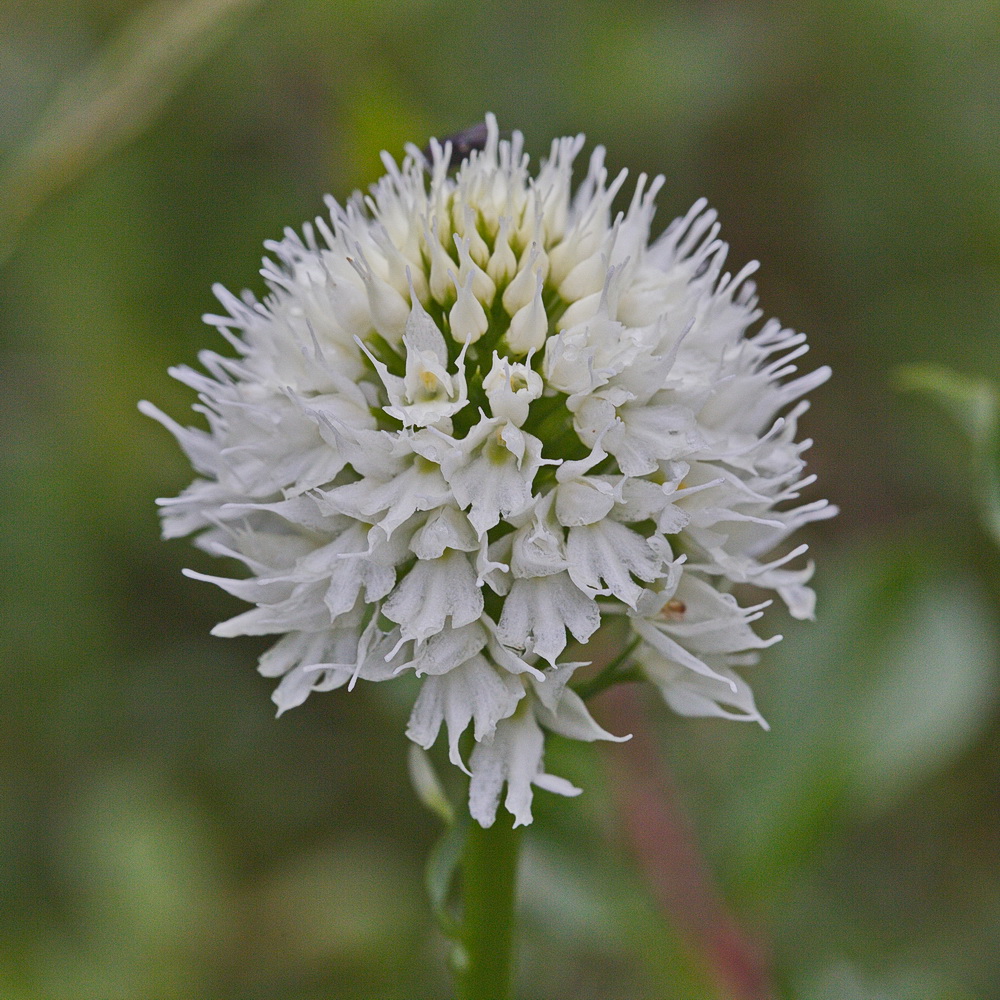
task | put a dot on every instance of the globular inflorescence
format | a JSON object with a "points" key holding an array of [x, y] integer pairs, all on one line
{"points": [[479, 415]]}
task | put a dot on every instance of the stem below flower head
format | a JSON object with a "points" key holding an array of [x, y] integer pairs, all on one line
{"points": [[609, 678], [489, 883], [613, 673]]}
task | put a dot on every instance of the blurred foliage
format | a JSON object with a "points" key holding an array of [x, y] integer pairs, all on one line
{"points": [[115, 97], [975, 406], [161, 835]]}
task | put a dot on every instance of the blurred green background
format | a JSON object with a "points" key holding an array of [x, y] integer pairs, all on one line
{"points": [[161, 835]]}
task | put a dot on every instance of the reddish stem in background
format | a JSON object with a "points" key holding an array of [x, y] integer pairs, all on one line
{"points": [[661, 836]]}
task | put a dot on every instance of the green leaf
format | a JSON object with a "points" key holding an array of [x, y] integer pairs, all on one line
{"points": [[844, 981], [971, 402], [975, 405], [934, 689], [895, 679]]}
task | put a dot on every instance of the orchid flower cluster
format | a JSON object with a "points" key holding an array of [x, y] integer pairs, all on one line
{"points": [[477, 417]]}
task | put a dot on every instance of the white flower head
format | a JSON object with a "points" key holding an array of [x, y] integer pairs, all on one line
{"points": [[476, 415]]}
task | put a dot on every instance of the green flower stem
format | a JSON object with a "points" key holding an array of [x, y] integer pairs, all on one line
{"points": [[614, 673], [629, 675], [489, 884]]}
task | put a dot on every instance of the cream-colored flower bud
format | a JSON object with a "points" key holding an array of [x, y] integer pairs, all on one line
{"points": [[399, 271], [579, 312], [521, 290], [580, 242], [464, 224], [482, 284], [439, 282], [530, 228], [555, 211], [537, 261], [389, 309], [514, 209], [502, 265], [491, 203], [589, 275], [529, 326], [467, 317]]}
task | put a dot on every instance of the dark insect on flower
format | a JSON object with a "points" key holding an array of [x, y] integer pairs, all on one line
{"points": [[462, 143]]}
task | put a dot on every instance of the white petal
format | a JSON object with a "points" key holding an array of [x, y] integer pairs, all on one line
{"points": [[672, 650], [433, 592], [537, 612], [608, 553], [495, 475], [447, 650], [514, 755], [474, 691], [707, 622], [303, 611], [296, 686], [688, 693], [572, 719], [389, 503], [445, 528], [583, 501], [294, 649], [538, 549]]}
